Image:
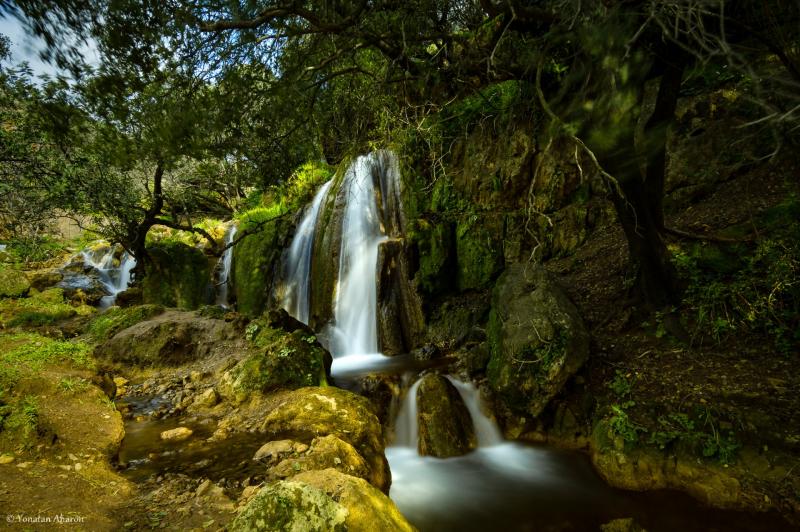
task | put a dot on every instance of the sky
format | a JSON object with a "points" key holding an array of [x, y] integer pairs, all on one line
{"points": [[25, 47]]}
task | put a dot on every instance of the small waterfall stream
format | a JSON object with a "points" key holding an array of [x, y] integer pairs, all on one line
{"points": [[224, 268], [297, 270], [115, 279]]}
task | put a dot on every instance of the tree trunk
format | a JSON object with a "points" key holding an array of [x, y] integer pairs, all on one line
{"points": [[640, 208], [137, 234]]}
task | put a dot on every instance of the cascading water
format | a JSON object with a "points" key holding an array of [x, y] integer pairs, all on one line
{"points": [[224, 268], [355, 330], [115, 279], [297, 273]]}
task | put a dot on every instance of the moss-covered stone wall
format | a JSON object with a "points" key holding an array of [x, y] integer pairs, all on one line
{"points": [[178, 275]]}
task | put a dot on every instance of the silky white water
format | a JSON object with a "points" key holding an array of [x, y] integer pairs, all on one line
{"points": [[354, 329], [115, 279], [297, 274], [224, 268]]}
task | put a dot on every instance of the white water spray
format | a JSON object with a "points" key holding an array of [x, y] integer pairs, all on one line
{"points": [[297, 276], [224, 268], [115, 279]]}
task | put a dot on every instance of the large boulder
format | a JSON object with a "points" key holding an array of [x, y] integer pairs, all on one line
{"points": [[368, 509], [308, 413], [84, 287], [13, 283], [279, 360], [291, 506], [400, 319], [43, 279], [537, 339], [445, 426], [324, 453], [171, 338]]}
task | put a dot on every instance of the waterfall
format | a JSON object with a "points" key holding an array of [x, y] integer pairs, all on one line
{"points": [[297, 273], [355, 330], [115, 279], [224, 268], [407, 430]]}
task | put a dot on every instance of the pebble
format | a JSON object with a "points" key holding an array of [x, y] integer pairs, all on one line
{"points": [[6, 458], [203, 488], [176, 434]]}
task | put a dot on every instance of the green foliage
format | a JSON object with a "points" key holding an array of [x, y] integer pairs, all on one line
{"points": [[105, 325], [622, 384], [621, 424], [23, 418], [753, 288], [698, 433], [27, 353], [73, 385], [179, 276]]}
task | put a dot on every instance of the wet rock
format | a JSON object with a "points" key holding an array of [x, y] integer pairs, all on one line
{"points": [[13, 283], [288, 505], [275, 451], [280, 319], [43, 279], [537, 339], [445, 426], [400, 319], [326, 452], [173, 337], [367, 508], [308, 413], [83, 287], [177, 434]]}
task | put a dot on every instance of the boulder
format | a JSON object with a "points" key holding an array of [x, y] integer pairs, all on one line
{"points": [[13, 283], [536, 337], [280, 319], [308, 413], [325, 452], [279, 361], [177, 434], [291, 506], [171, 338], [400, 319], [367, 508], [83, 287], [274, 451], [445, 426]]}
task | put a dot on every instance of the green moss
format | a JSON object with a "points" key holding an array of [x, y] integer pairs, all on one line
{"points": [[28, 353], [436, 246], [106, 325], [282, 361], [479, 250], [253, 261], [178, 276], [42, 308], [13, 283]]}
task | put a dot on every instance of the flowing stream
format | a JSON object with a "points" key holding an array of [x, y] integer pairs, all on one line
{"points": [[501, 485], [115, 279], [297, 273], [224, 269]]}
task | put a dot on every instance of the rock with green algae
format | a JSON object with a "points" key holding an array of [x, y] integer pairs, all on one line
{"points": [[537, 339], [445, 426], [479, 250], [170, 338], [178, 276], [368, 509], [309, 413], [288, 506], [13, 283], [324, 453], [279, 360], [622, 525]]}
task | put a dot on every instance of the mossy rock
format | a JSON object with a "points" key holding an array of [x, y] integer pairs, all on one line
{"points": [[178, 276], [537, 339], [41, 308], [367, 508], [479, 250], [13, 283], [445, 426], [309, 413], [291, 507], [325, 452], [255, 259], [171, 338], [437, 256], [280, 360], [115, 319]]}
